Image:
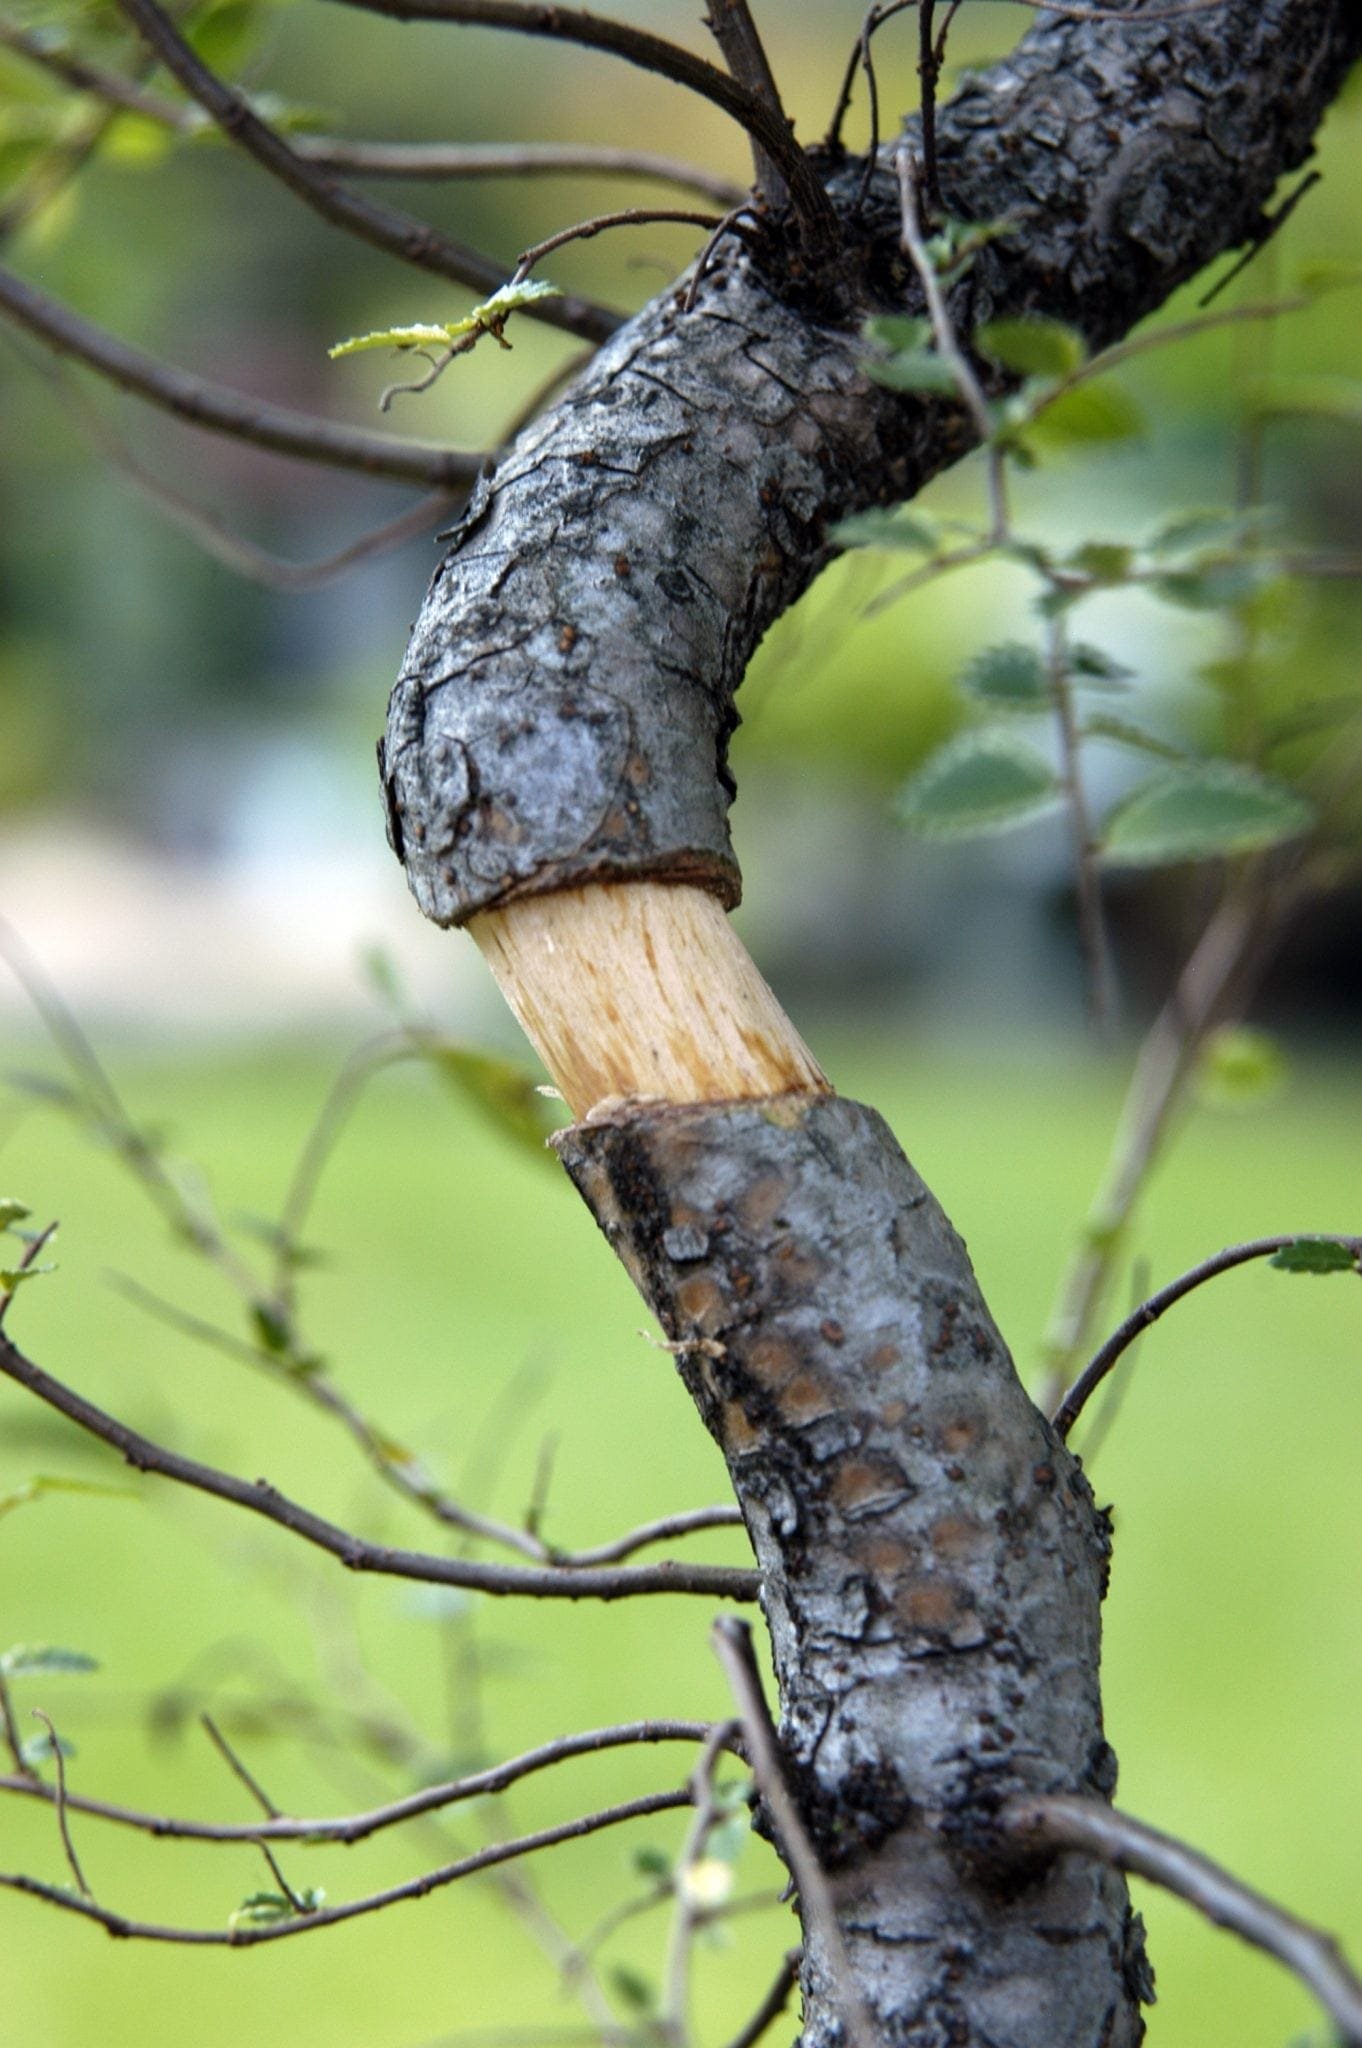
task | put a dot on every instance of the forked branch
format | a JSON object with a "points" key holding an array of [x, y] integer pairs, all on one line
{"points": [[260, 1498], [398, 234]]}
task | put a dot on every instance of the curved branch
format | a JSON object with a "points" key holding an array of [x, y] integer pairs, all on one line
{"points": [[220, 410], [1148, 1312], [770, 131], [1115, 1838], [260, 1498], [332, 1916], [398, 234], [358, 1827]]}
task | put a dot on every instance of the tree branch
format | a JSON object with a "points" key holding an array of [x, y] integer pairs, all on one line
{"points": [[398, 234], [1140, 1319], [358, 1827], [221, 410], [367, 159], [733, 29], [260, 1498], [651, 53], [1098, 1830], [332, 1916]]}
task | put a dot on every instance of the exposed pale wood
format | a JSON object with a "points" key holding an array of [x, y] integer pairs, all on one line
{"points": [[642, 989]]}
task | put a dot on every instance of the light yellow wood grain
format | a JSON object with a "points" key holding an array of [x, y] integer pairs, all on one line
{"points": [[643, 990]]}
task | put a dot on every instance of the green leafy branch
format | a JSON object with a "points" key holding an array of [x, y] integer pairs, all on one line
{"points": [[439, 342]]}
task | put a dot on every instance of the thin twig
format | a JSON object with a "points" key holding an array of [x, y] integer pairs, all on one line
{"points": [[1268, 225], [295, 1899], [32, 1251], [237, 1767], [220, 410], [212, 534], [732, 1640], [1092, 929], [948, 346], [928, 71], [810, 203], [14, 1743], [59, 1760], [397, 234], [673, 2016], [1230, 950], [357, 157], [1097, 1830], [587, 230], [731, 24], [688, 1522], [1140, 1319], [375, 1902], [260, 1498]]}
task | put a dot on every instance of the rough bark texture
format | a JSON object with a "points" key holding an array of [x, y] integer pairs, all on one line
{"points": [[567, 698], [933, 1558]]}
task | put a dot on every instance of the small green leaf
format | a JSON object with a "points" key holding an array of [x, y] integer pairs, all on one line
{"points": [[1199, 532], [40, 1749], [25, 1658], [633, 1989], [393, 337], [1123, 732], [500, 1088], [1212, 586], [915, 370], [898, 529], [1033, 348], [1010, 677], [1239, 1068], [272, 1329], [1104, 561], [1315, 1255], [1195, 813], [980, 782], [49, 1482], [727, 1842], [488, 318], [12, 1212], [1088, 413], [651, 1862], [897, 331], [1316, 279], [15, 1276], [1094, 668], [262, 1909]]}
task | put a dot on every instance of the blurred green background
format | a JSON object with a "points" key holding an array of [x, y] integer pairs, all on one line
{"points": [[190, 839]]}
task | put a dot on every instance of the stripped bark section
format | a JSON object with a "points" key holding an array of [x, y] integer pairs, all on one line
{"points": [[933, 1558]]}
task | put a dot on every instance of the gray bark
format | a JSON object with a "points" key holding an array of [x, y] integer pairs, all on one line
{"points": [[567, 699], [933, 1558]]}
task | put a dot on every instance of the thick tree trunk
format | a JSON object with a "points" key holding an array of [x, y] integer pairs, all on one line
{"points": [[933, 1559]]}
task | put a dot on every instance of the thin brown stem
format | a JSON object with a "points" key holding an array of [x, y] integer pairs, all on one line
{"points": [[397, 234], [1232, 946], [59, 1761], [1062, 1822], [14, 1743], [928, 71], [809, 201], [1092, 929], [237, 1767], [731, 24], [1149, 1312], [356, 157], [260, 1498], [246, 1936], [732, 1640], [587, 230], [221, 410], [674, 2016]]}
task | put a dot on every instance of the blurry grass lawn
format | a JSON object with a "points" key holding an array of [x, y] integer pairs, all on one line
{"points": [[469, 1307]]}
